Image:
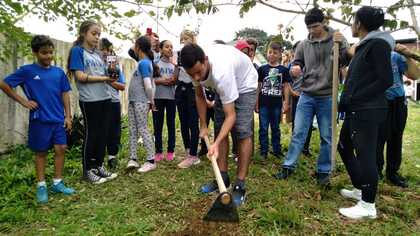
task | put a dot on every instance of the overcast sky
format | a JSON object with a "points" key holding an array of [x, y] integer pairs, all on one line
{"points": [[221, 25]]}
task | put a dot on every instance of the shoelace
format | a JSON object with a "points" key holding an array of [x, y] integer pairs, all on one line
{"points": [[93, 177], [103, 172]]}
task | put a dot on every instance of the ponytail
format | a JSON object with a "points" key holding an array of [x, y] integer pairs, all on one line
{"points": [[144, 44]]}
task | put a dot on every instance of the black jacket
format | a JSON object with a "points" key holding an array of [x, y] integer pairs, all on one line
{"points": [[369, 75]]}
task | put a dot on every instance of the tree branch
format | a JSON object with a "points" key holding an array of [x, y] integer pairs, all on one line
{"points": [[301, 12]]}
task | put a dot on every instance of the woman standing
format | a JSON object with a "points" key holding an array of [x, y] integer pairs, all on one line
{"points": [[364, 104]]}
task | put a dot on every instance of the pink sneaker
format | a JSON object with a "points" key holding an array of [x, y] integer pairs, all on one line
{"points": [[188, 162], [146, 167], [158, 156], [170, 156]]}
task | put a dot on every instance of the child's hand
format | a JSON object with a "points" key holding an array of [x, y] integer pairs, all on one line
{"points": [[257, 108], [31, 105], [153, 107], [295, 71], [68, 124]]}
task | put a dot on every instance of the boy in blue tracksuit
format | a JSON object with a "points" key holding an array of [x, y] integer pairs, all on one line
{"points": [[47, 90]]}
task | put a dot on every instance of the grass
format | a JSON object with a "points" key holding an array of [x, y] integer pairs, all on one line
{"points": [[167, 202]]}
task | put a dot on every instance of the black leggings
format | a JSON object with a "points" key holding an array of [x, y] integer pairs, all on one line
{"points": [[169, 106], [96, 117], [114, 136], [391, 133], [357, 147], [188, 116]]}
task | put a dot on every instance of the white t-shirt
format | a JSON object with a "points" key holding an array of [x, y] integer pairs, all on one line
{"points": [[231, 72]]}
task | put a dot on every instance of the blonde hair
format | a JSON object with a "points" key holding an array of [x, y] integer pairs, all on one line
{"points": [[189, 34]]}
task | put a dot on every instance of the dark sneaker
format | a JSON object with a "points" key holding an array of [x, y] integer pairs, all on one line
{"points": [[398, 180], [238, 195], [93, 177], [102, 172], [306, 152], [284, 173], [61, 188], [42, 194], [278, 154], [112, 163], [211, 187], [323, 179]]}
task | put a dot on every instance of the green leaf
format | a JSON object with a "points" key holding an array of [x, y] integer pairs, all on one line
{"points": [[130, 13]]}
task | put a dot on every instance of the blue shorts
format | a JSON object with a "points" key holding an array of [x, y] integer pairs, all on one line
{"points": [[43, 136]]}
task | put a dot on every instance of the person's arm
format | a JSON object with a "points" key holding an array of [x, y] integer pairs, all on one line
{"points": [[67, 111], [31, 105], [298, 62], [230, 118], [413, 70], [286, 96], [86, 78], [117, 85]]}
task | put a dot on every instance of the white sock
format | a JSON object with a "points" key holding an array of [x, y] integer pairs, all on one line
{"points": [[111, 157], [56, 181], [42, 183]]}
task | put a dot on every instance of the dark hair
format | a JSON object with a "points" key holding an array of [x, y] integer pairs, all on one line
{"points": [[105, 44], [162, 43], [218, 41], [143, 43], [39, 41], [252, 41], [370, 17], [84, 28], [275, 46], [191, 54], [314, 15]]}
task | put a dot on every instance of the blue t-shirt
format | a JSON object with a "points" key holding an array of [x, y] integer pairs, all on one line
{"points": [[91, 63], [272, 79], [136, 90], [45, 86], [399, 66]]}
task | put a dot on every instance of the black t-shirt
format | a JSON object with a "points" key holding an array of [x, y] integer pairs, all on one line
{"points": [[272, 79]]}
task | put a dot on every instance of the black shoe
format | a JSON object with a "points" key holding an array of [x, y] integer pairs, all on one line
{"points": [[238, 195], [278, 155], [112, 164], [323, 179], [306, 152], [397, 180], [284, 173], [103, 173], [202, 152]]}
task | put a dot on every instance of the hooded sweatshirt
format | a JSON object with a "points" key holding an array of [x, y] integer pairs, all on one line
{"points": [[315, 57], [369, 74]]}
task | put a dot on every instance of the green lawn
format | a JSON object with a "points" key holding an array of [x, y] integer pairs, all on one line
{"points": [[167, 201]]}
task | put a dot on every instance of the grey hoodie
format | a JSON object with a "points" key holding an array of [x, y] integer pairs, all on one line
{"points": [[315, 57], [377, 34]]}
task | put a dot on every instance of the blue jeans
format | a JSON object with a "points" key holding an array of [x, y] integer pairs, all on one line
{"points": [[307, 107], [270, 116]]}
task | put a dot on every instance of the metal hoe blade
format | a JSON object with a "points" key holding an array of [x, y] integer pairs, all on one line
{"points": [[222, 212]]}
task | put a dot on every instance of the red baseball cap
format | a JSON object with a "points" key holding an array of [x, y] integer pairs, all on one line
{"points": [[242, 44]]}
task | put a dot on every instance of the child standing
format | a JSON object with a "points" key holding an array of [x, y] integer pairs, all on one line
{"points": [[47, 90], [141, 99], [273, 86], [114, 137], [187, 110], [165, 100], [86, 64]]}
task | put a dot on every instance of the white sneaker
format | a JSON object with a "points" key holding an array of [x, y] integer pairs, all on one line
{"points": [[132, 164], [361, 210], [146, 167], [355, 194]]}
